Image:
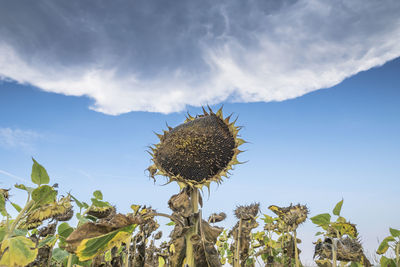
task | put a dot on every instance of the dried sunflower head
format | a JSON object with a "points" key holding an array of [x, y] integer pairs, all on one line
{"points": [[214, 218], [201, 150], [293, 216], [348, 249], [247, 212], [101, 212]]}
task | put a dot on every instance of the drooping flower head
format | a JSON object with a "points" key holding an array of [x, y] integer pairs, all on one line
{"points": [[199, 151], [247, 212], [293, 216]]}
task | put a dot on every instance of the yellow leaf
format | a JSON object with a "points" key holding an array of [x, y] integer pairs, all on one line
{"points": [[172, 249], [161, 261], [135, 208], [91, 247], [17, 251]]}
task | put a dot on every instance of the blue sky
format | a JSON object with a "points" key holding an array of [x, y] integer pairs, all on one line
{"points": [[87, 110]]}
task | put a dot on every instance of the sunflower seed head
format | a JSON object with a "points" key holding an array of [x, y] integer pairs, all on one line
{"points": [[247, 212]]}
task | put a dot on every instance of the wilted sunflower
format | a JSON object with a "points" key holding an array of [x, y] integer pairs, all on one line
{"points": [[348, 249], [201, 150], [293, 216], [247, 212]]}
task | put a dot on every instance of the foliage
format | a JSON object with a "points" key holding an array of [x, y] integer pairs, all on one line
{"points": [[340, 240], [393, 242], [41, 236]]}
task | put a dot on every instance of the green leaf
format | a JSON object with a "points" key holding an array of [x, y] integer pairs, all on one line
{"points": [[39, 174], [20, 232], [355, 264], [171, 223], [81, 219], [16, 206], [383, 247], [386, 262], [50, 240], [17, 251], [91, 247], [80, 205], [64, 230], [97, 194], [340, 219], [268, 219], [394, 232], [319, 233], [59, 255], [3, 205], [44, 195], [99, 203], [321, 219], [2, 233], [25, 188], [338, 208]]}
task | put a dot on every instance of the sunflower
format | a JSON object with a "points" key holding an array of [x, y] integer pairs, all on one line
{"points": [[293, 216], [247, 212], [197, 152]]}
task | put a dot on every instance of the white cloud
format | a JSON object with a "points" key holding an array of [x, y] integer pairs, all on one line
{"points": [[17, 138], [257, 56]]}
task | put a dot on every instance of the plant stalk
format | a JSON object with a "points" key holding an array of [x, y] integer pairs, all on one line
{"points": [[237, 252], [16, 221], [128, 253], [334, 263], [194, 199], [397, 254], [69, 264], [296, 252]]}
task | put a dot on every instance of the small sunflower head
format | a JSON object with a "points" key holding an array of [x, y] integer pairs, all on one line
{"points": [[199, 151], [247, 212], [293, 216]]}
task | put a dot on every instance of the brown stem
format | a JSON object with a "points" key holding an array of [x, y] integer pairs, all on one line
{"points": [[237, 253], [334, 245], [194, 201]]}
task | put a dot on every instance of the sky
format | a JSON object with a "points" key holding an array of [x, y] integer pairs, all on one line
{"points": [[316, 86]]}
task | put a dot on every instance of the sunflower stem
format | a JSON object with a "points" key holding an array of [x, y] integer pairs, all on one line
{"points": [[69, 263], [194, 201], [237, 253], [296, 252], [334, 263], [128, 252]]}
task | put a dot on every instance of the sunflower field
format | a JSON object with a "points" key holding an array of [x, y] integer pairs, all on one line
{"points": [[200, 151]]}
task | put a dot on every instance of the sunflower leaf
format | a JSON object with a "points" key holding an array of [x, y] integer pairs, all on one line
{"points": [[17, 251], [338, 208], [91, 247], [39, 174]]}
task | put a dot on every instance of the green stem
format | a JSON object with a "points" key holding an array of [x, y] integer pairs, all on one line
{"points": [[194, 199], [69, 264], [17, 220], [296, 252], [397, 254]]}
